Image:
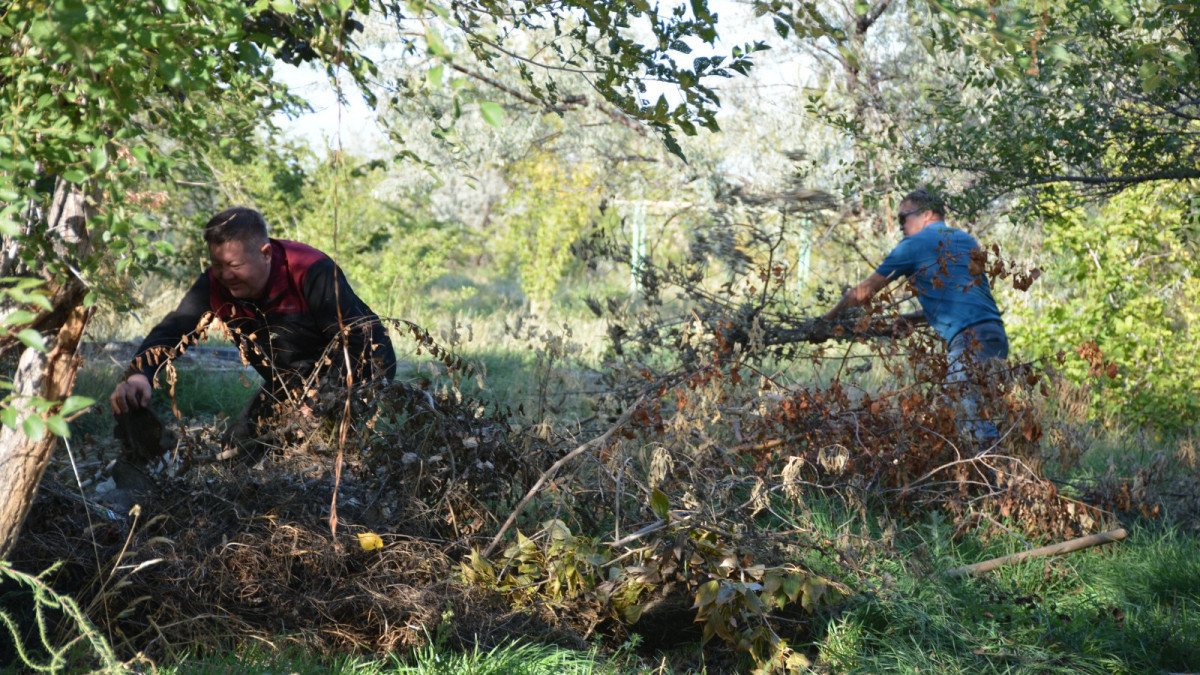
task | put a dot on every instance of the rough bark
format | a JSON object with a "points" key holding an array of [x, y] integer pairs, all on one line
{"points": [[22, 459], [48, 375]]}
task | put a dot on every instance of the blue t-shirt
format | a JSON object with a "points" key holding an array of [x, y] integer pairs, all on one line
{"points": [[936, 261]]}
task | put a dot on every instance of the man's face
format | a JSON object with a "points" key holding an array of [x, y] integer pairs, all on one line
{"points": [[243, 268], [912, 219]]}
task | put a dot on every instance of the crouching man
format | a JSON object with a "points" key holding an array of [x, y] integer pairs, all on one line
{"points": [[289, 310]]}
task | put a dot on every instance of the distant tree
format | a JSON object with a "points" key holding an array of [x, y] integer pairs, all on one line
{"points": [[1126, 278], [861, 54]]}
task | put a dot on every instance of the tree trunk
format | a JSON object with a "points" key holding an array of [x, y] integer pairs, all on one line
{"points": [[49, 375], [22, 459]]}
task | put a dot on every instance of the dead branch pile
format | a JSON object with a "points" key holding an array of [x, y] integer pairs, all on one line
{"points": [[229, 552], [902, 446], [860, 405]]}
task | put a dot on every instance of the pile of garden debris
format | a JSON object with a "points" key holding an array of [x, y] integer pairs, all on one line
{"points": [[246, 548]]}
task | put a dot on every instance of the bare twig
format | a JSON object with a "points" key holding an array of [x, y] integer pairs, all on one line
{"points": [[652, 527], [549, 473]]}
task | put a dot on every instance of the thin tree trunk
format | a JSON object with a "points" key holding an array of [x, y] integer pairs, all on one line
{"points": [[22, 459], [48, 375]]}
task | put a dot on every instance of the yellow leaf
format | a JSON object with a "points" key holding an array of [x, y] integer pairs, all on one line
{"points": [[369, 541]]}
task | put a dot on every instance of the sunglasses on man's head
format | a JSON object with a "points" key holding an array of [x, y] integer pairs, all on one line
{"points": [[903, 215]]}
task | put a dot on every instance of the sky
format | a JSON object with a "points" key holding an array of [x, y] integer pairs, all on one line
{"points": [[353, 120]]}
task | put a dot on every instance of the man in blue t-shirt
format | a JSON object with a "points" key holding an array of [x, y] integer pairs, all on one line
{"points": [[936, 260]]}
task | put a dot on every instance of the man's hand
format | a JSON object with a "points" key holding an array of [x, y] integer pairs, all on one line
{"points": [[131, 394], [858, 295]]}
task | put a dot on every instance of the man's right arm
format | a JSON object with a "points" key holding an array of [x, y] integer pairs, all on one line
{"points": [[134, 391], [858, 295]]}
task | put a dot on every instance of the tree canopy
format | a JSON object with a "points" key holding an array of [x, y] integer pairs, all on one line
{"points": [[1093, 96]]}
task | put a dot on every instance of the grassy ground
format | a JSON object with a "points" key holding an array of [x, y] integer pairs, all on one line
{"points": [[1132, 607], [510, 659], [202, 394]]}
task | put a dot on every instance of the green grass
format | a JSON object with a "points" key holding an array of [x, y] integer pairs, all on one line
{"points": [[198, 394], [1130, 607], [517, 361], [509, 659], [514, 658], [259, 660]]}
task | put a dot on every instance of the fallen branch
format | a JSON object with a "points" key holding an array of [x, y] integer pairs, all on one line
{"points": [[549, 473], [850, 326], [1055, 549]]}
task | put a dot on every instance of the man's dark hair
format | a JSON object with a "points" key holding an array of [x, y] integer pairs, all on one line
{"points": [[924, 200], [236, 224]]}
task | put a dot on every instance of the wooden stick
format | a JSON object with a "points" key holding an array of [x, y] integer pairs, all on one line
{"points": [[1055, 549], [549, 473]]}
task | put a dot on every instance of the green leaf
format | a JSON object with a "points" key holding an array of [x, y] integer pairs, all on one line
{"points": [[659, 503], [706, 594], [283, 6], [8, 417], [99, 159], [792, 586], [18, 317], [34, 427], [434, 77], [433, 41], [74, 404], [58, 426], [813, 591], [492, 113], [41, 300], [76, 176], [9, 227], [632, 613], [1120, 11], [32, 339], [782, 27], [661, 107]]}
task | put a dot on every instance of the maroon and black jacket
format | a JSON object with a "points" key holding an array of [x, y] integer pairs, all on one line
{"points": [[283, 336]]}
